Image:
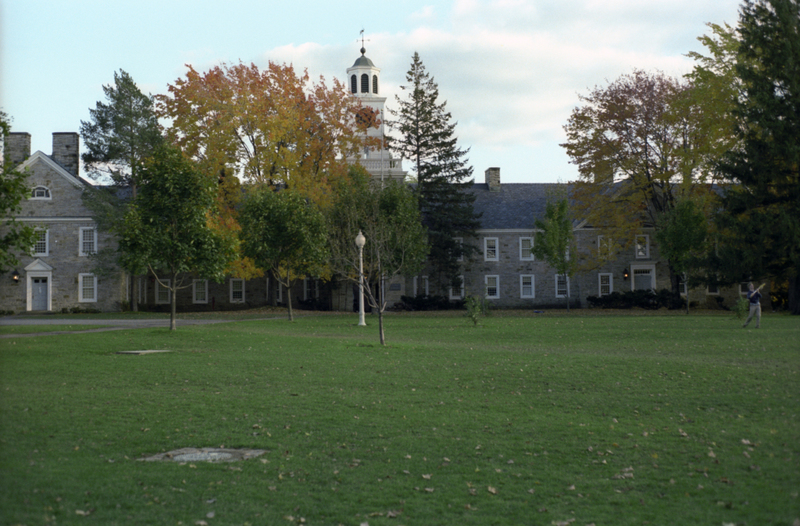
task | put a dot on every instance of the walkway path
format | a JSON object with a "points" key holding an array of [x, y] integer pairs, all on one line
{"points": [[109, 325]]}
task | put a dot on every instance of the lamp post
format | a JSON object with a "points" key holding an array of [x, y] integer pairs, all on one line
{"points": [[360, 241]]}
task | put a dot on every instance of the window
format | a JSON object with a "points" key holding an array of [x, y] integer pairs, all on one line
{"points": [[142, 290], [375, 84], [40, 192], [87, 241], [712, 289], [604, 247], [310, 289], [421, 290], [41, 246], [606, 284], [490, 249], [642, 247], [525, 247], [87, 288], [237, 291], [163, 294], [200, 291], [562, 285], [492, 286], [457, 294], [644, 277], [364, 83], [459, 242], [353, 84], [527, 286]]}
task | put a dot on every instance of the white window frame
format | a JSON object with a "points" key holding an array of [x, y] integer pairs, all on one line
{"points": [[459, 241], [486, 242], [197, 286], [460, 296], [645, 242], [604, 245], [46, 243], [522, 279], [486, 282], [424, 285], [159, 291], [651, 270], [526, 254], [81, 232], [744, 288], [232, 299], [82, 281], [47, 197], [310, 284], [279, 298], [566, 280], [714, 292], [142, 290], [600, 277]]}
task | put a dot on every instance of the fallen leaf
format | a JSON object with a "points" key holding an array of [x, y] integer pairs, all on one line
{"points": [[492, 490], [427, 476], [531, 491], [81, 513], [393, 514], [429, 490]]}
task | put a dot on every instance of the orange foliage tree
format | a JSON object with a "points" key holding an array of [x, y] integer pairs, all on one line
{"points": [[271, 127]]}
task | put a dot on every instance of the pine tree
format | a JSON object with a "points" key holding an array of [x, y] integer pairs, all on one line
{"points": [[427, 139], [762, 205]]}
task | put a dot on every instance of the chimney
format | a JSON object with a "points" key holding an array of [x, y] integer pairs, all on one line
{"points": [[65, 151], [493, 179], [16, 148]]}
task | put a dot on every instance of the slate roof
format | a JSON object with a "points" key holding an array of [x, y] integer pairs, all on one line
{"points": [[514, 206]]}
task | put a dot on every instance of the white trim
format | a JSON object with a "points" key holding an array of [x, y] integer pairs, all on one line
{"points": [[38, 269], [557, 277], [415, 285], [200, 285], [159, 288], [81, 280], [39, 156], [48, 197], [306, 285], [522, 286], [81, 231], [486, 256], [496, 279], [232, 299], [526, 255], [46, 243], [610, 283], [49, 219]]}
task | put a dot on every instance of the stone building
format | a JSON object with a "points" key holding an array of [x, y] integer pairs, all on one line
{"points": [[60, 272]]}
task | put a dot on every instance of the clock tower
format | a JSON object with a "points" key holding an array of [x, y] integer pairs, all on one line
{"points": [[363, 79]]}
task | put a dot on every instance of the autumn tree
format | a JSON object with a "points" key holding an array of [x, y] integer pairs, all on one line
{"points": [[284, 232], [554, 240], [14, 236], [166, 228], [395, 242], [762, 200], [268, 127], [636, 148], [427, 139]]}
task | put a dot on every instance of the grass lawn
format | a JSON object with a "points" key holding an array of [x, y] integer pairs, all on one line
{"points": [[28, 329], [546, 419]]}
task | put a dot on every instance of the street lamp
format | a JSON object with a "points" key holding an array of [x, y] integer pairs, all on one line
{"points": [[360, 241]]}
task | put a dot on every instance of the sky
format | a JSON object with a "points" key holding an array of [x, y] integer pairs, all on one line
{"points": [[511, 71]]}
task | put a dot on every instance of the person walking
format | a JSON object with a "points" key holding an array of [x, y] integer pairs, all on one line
{"points": [[754, 296]]}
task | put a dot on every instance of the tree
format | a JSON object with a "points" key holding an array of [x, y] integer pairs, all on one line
{"points": [[166, 228], [427, 139], [13, 189], [388, 216], [637, 145], [681, 235], [119, 135], [554, 240], [762, 202], [284, 232], [269, 127]]}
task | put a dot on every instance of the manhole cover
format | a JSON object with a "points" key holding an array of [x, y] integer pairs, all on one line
{"points": [[206, 454]]}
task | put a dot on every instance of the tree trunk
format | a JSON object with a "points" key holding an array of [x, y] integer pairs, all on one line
{"points": [[380, 327], [289, 300], [173, 302]]}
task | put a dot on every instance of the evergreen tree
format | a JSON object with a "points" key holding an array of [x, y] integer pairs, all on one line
{"points": [[762, 204], [427, 139]]}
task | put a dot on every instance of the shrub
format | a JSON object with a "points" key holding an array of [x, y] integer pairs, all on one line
{"points": [[425, 302], [742, 308], [643, 299], [476, 307]]}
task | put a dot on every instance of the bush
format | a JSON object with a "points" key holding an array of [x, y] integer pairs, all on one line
{"points": [[643, 299], [476, 307], [425, 302], [742, 308]]}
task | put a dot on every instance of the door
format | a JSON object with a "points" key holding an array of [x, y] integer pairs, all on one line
{"points": [[39, 294]]}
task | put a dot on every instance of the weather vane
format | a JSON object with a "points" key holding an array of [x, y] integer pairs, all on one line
{"points": [[363, 49]]}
